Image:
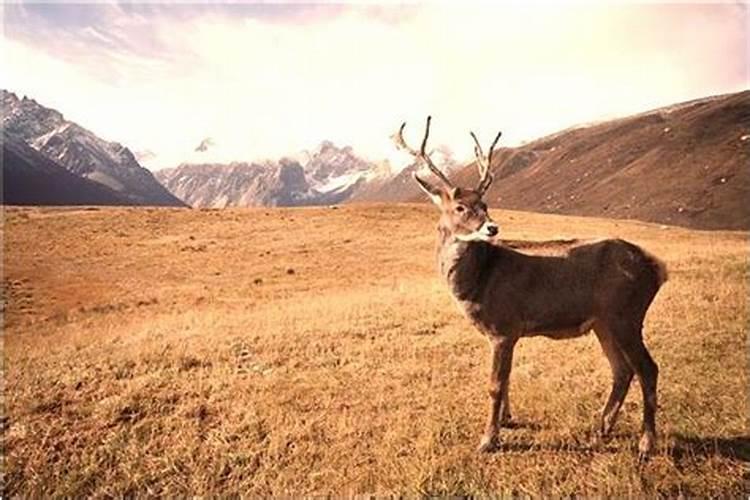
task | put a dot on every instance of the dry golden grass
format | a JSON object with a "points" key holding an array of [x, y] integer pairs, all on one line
{"points": [[314, 351]]}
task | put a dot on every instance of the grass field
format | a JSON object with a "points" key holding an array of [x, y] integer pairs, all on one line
{"points": [[315, 351]]}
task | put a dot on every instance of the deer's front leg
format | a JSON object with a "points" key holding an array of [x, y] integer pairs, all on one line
{"points": [[501, 360]]}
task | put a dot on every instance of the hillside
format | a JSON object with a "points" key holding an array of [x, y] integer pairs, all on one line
{"points": [[81, 152], [30, 178], [685, 164], [315, 352]]}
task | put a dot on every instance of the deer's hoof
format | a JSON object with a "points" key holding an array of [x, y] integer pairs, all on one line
{"points": [[645, 446], [597, 438], [606, 424], [488, 444]]}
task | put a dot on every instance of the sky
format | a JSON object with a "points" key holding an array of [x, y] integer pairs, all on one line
{"points": [[264, 80]]}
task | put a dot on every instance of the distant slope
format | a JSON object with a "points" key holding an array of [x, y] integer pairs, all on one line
{"points": [[30, 178], [401, 186], [81, 152], [685, 164]]}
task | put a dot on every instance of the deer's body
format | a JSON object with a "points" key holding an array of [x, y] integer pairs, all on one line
{"points": [[557, 289], [558, 294]]}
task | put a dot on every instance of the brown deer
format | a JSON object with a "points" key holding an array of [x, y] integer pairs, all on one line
{"points": [[558, 289]]}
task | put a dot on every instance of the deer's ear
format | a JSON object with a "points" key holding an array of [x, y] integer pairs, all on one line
{"points": [[434, 192]]}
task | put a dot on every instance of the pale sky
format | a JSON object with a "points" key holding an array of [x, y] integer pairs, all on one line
{"points": [[268, 80]]}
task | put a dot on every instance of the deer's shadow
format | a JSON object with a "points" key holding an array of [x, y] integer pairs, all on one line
{"points": [[685, 447], [681, 447], [514, 424], [558, 447]]}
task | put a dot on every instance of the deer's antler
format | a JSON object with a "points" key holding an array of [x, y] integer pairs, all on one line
{"points": [[421, 154], [484, 165]]}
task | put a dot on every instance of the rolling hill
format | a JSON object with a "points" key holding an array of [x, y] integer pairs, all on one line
{"points": [[685, 164]]}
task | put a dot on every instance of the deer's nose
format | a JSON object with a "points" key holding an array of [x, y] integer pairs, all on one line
{"points": [[492, 229]]}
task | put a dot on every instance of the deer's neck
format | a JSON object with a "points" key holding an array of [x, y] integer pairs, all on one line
{"points": [[464, 265]]}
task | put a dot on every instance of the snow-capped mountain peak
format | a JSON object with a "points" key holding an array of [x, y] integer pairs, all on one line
{"points": [[80, 151]]}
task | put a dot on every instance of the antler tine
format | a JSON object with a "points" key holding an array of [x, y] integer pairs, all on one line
{"points": [[478, 151], [484, 166], [481, 165], [426, 135], [401, 143], [492, 148], [427, 158], [421, 154]]}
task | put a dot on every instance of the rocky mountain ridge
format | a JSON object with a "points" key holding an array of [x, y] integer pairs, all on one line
{"points": [[30, 178], [81, 152], [330, 175]]}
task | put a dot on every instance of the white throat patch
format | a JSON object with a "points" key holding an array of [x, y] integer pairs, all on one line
{"points": [[481, 234], [475, 236]]}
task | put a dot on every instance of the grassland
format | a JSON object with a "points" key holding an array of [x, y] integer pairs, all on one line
{"points": [[314, 351]]}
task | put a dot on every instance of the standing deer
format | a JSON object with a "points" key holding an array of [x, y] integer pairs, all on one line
{"points": [[558, 289]]}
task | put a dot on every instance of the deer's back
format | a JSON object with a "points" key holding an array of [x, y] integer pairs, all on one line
{"points": [[552, 286]]}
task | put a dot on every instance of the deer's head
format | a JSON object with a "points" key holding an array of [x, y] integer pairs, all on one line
{"points": [[463, 213]]}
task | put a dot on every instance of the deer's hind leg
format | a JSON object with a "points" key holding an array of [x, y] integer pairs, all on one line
{"points": [[629, 339], [622, 375]]}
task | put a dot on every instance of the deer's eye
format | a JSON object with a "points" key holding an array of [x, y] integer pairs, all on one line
{"points": [[460, 208]]}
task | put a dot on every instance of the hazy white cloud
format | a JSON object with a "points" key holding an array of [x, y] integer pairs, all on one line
{"points": [[269, 80]]}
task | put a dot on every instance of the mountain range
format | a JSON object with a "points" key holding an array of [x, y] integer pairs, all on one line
{"points": [[684, 164], [62, 143], [327, 175]]}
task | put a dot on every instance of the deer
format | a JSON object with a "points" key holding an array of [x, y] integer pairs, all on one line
{"points": [[560, 289]]}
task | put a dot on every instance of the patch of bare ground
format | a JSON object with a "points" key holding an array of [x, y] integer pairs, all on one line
{"points": [[172, 352]]}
